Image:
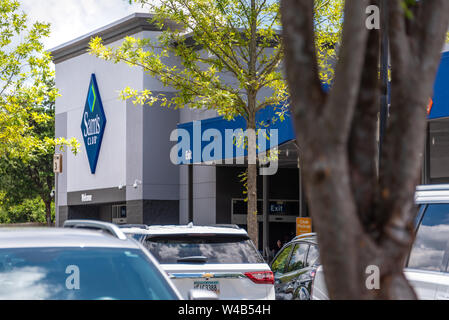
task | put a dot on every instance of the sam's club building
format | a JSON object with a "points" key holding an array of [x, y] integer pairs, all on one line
{"points": [[123, 172]]}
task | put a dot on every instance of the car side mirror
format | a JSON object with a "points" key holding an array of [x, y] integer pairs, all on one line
{"points": [[289, 289], [195, 294]]}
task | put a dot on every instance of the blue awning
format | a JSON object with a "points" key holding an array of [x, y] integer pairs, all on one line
{"points": [[214, 132], [440, 108], [276, 120]]}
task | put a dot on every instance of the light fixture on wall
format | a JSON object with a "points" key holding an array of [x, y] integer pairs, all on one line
{"points": [[136, 183], [120, 186]]}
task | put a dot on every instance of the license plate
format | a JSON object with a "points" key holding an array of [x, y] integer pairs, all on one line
{"points": [[213, 286]]}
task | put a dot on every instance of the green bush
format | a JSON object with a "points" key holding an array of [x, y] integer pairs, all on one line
{"points": [[4, 217], [30, 210]]}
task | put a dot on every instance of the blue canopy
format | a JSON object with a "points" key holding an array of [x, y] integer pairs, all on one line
{"points": [[440, 108], [217, 130]]}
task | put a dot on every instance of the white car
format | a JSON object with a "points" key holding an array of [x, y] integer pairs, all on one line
{"points": [[221, 259], [74, 264], [427, 265]]}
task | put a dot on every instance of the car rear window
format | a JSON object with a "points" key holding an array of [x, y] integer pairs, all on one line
{"points": [[215, 249]]}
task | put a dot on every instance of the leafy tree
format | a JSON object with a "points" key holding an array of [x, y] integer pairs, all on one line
{"points": [[23, 69], [24, 76], [27, 96], [364, 217], [29, 210], [31, 175], [230, 50]]}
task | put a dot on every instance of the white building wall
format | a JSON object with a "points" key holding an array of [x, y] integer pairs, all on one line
{"points": [[136, 142], [72, 80]]}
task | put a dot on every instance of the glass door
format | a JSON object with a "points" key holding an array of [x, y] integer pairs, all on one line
{"points": [[119, 214]]}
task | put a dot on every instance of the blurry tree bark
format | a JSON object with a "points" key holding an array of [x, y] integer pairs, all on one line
{"points": [[363, 217]]}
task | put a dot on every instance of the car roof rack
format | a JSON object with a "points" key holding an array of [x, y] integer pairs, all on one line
{"points": [[139, 226], [99, 225], [305, 235], [224, 225], [217, 225]]}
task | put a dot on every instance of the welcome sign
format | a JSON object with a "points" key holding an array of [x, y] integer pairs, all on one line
{"points": [[93, 123]]}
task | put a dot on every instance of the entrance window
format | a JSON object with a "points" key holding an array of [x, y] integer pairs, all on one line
{"points": [[438, 151], [119, 214]]}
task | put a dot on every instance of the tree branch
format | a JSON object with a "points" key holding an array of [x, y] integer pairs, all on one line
{"points": [[348, 72], [362, 144], [299, 39]]}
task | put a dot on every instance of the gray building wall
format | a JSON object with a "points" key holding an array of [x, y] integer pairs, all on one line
{"points": [[136, 142], [204, 180], [204, 195], [61, 131]]}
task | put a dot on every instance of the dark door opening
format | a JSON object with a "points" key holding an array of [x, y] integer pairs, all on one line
{"points": [[283, 231]]}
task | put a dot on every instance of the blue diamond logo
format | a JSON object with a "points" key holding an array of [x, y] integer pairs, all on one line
{"points": [[91, 98], [93, 124]]}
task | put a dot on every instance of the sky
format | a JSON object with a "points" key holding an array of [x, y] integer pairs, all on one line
{"points": [[71, 19]]}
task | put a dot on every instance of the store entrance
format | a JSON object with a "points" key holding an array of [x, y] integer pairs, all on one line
{"points": [[283, 231], [282, 216]]}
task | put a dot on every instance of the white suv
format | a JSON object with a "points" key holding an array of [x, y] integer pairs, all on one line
{"points": [[221, 259], [427, 266]]}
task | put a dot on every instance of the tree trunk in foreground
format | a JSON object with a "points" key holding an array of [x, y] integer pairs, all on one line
{"points": [[363, 218]]}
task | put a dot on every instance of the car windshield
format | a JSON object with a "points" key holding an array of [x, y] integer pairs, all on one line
{"points": [[431, 239], [212, 249], [80, 274]]}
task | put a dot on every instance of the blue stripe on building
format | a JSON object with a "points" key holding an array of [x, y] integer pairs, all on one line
{"points": [[440, 107]]}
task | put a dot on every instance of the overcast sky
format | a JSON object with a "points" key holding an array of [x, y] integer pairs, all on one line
{"points": [[73, 18]]}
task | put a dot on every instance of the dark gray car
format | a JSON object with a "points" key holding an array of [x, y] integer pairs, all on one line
{"points": [[294, 268]]}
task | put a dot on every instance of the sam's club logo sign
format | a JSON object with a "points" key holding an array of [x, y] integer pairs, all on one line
{"points": [[93, 123]]}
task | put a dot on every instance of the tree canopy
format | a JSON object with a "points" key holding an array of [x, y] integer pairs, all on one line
{"points": [[25, 70], [227, 50], [30, 177], [27, 98]]}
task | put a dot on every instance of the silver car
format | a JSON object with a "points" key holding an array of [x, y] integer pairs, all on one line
{"points": [[78, 264], [427, 267], [220, 259]]}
